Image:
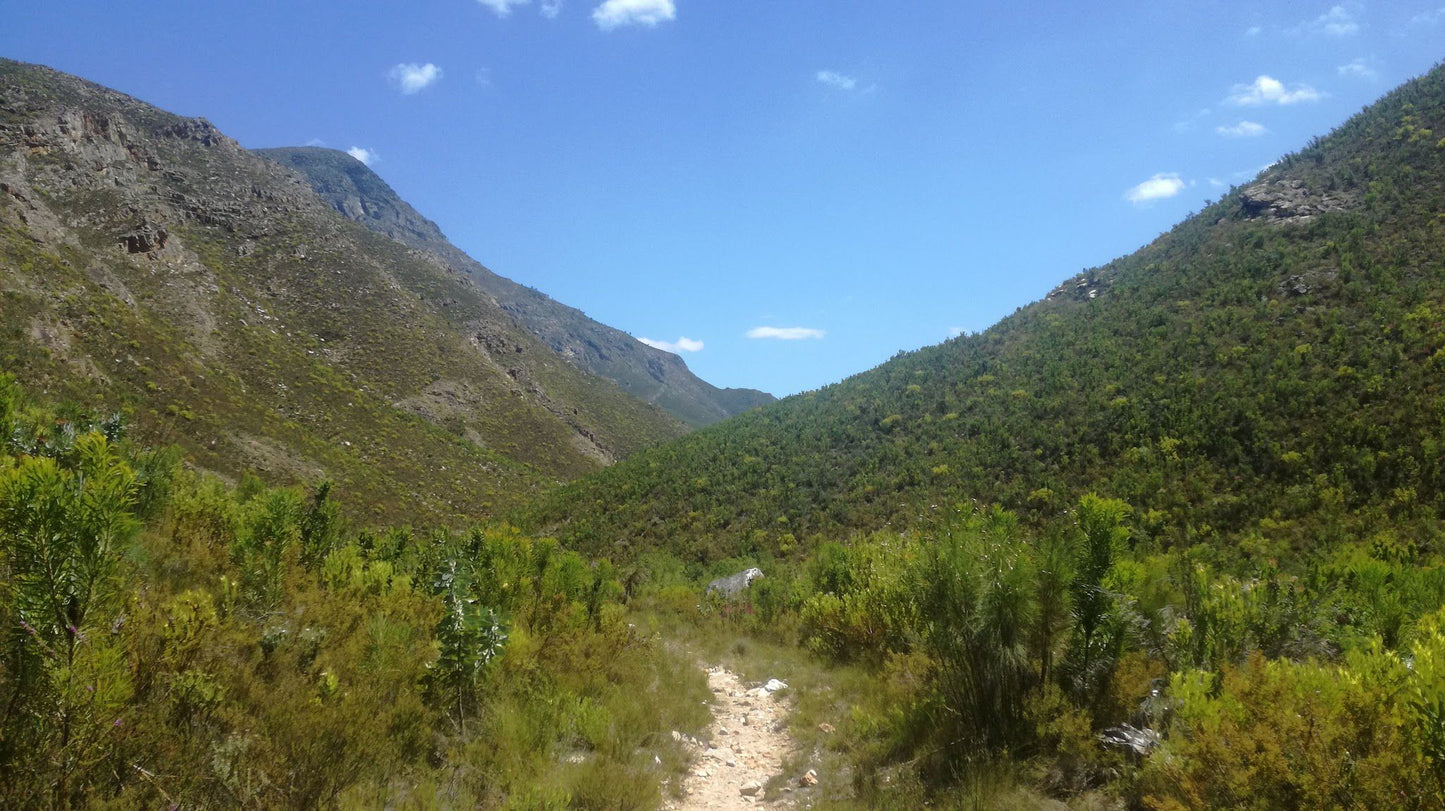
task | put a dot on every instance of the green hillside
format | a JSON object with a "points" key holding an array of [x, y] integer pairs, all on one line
{"points": [[644, 372], [1266, 377], [150, 264]]}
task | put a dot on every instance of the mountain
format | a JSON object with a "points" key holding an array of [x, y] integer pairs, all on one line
{"points": [[1267, 376], [148, 260], [650, 374]]}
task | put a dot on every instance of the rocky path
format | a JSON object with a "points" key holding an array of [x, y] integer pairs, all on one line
{"points": [[749, 743]]}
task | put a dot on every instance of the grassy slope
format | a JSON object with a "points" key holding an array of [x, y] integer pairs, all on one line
{"points": [[270, 333], [1271, 385]]}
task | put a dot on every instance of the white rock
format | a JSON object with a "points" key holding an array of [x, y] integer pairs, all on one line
{"points": [[752, 788], [774, 685]]}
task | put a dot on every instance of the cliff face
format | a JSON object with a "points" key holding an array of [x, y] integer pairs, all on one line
{"points": [[150, 260], [642, 371]]}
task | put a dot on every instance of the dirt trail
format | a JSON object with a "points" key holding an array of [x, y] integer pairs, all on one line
{"points": [[749, 743]]}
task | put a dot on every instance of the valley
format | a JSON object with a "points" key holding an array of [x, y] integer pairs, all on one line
{"points": [[302, 506]]}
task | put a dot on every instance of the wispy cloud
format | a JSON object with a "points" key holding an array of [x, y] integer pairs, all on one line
{"points": [[1358, 69], [785, 333], [1339, 21], [1269, 90], [838, 80], [954, 332], [1429, 17], [1253, 31], [410, 77], [503, 7], [1158, 187], [1192, 122], [363, 154], [316, 142], [677, 347], [551, 8], [1244, 129], [617, 13]]}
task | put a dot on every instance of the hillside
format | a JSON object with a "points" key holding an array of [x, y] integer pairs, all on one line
{"points": [[1267, 377], [650, 374], [150, 263]]}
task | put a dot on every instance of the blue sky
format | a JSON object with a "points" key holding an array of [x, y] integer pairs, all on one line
{"points": [[837, 180]]}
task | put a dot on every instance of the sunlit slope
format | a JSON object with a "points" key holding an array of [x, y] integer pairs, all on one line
{"points": [[147, 259], [1267, 375]]}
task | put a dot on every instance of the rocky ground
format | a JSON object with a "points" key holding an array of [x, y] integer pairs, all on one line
{"points": [[749, 743]]}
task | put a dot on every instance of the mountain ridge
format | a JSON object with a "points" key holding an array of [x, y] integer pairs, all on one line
{"points": [[152, 261], [646, 372]]}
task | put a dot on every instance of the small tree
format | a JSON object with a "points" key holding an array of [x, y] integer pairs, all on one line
{"points": [[62, 530], [978, 611], [1099, 621]]}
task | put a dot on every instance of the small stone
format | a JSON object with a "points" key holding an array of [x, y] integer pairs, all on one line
{"points": [[722, 730], [752, 788], [774, 685], [700, 773], [826, 728], [809, 779], [732, 764]]}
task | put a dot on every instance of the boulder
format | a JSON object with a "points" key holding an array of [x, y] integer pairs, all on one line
{"points": [[733, 585]]}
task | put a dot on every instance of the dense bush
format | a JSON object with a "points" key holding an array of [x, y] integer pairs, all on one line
{"points": [[168, 640]]}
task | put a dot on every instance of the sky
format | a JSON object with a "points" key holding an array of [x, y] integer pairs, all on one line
{"points": [[783, 193]]}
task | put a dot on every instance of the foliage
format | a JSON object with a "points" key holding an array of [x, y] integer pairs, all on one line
{"points": [[247, 647]]}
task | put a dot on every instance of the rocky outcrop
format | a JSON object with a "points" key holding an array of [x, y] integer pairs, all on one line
{"points": [[145, 239], [733, 585], [1288, 201]]}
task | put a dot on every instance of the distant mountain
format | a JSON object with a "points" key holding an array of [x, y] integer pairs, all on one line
{"points": [[148, 260], [650, 374], [1269, 377]]}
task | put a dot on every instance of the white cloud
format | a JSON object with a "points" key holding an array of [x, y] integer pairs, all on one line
{"points": [[1253, 31], [1244, 129], [838, 80], [316, 142], [1269, 90], [363, 154], [551, 8], [786, 333], [1358, 69], [1339, 21], [1158, 187], [503, 7], [954, 332], [410, 77], [679, 346], [617, 13]]}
